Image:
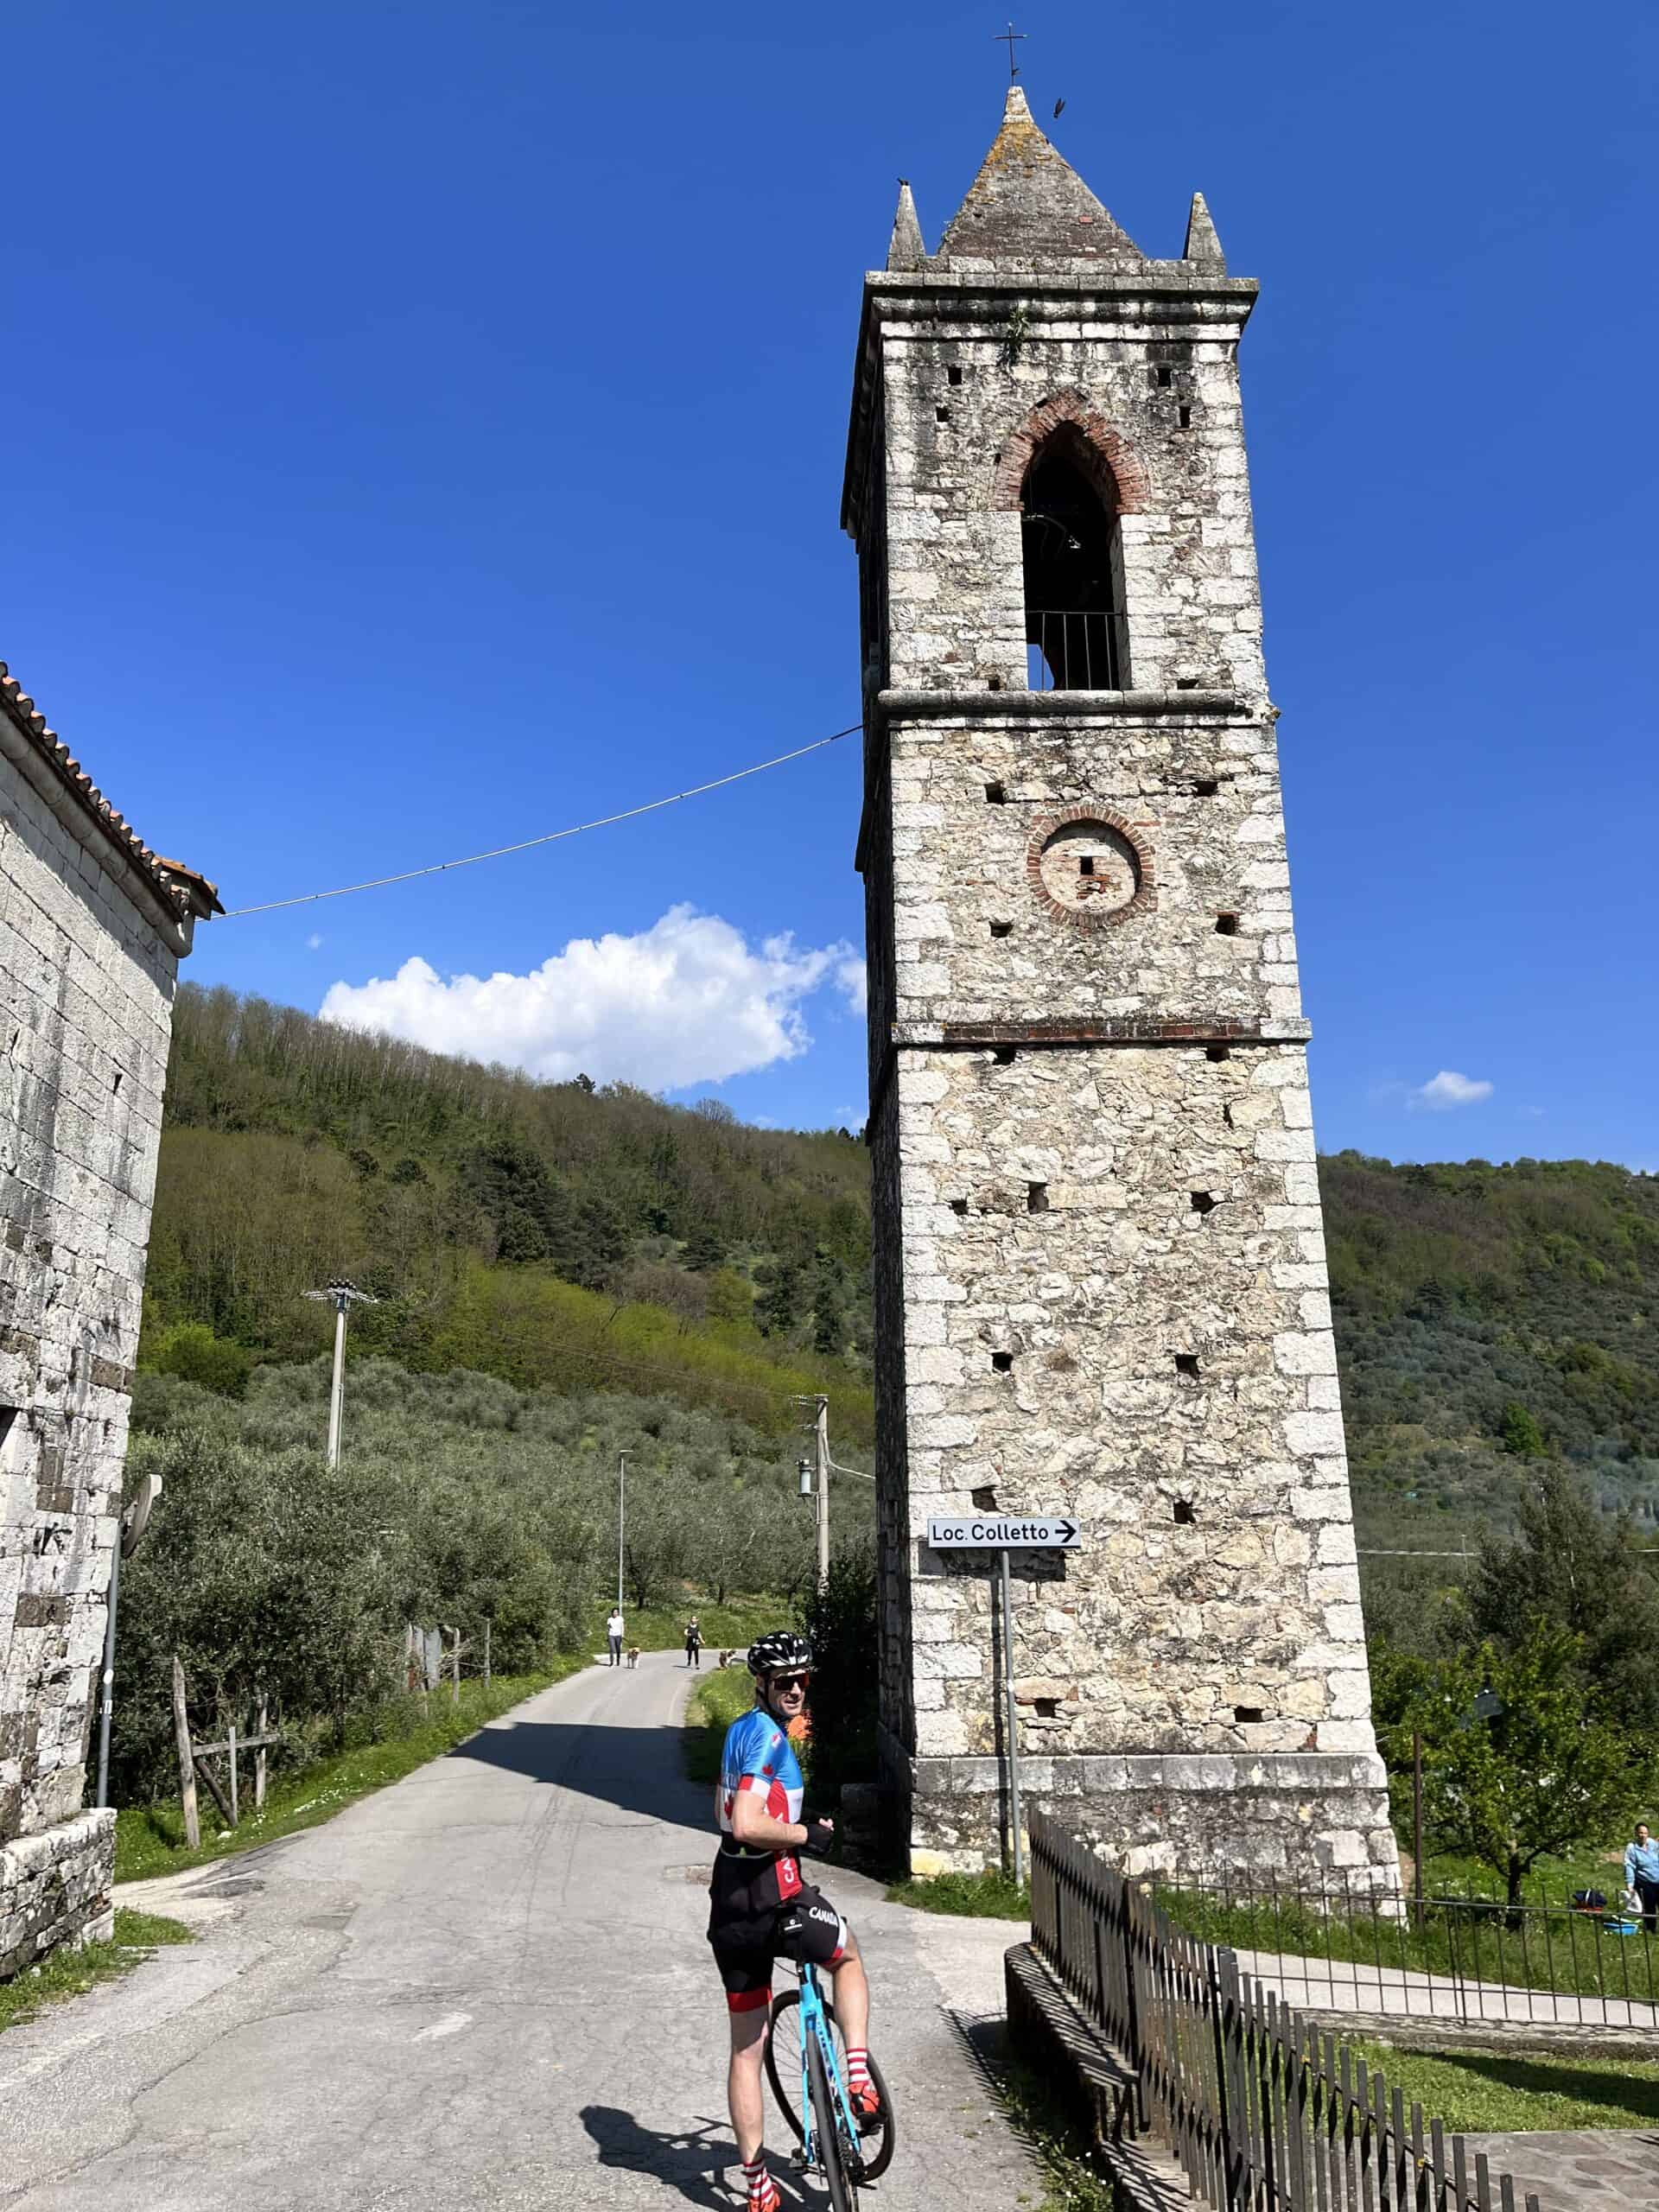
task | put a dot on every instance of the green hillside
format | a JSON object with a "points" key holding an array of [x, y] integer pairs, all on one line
{"points": [[572, 1239]]}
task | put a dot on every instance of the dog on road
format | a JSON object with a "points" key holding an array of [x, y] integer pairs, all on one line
{"points": [[632, 1654]]}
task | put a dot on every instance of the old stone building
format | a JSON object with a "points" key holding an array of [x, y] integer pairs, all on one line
{"points": [[93, 927], [1101, 1277]]}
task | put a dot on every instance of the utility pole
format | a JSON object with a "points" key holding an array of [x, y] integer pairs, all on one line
{"points": [[341, 1295], [815, 1477], [621, 1507]]}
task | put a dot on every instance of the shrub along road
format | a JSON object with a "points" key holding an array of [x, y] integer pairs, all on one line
{"points": [[486, 1985]]}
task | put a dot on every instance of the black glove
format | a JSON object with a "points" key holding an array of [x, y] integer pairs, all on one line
{"points": [[820, 1839]]}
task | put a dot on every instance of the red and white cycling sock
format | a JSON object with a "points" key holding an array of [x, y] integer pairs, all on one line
{"points": [[858, 2068], [763, 2190]]}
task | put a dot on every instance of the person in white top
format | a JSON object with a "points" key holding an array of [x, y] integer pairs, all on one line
{"points": [[616, 1629]]}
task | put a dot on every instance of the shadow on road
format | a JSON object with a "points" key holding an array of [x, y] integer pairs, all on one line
{"points": [[636, 1769], [694, 2161]]}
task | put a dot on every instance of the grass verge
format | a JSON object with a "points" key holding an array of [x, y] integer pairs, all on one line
{"points": [[991, 1895], [718, 1699], [1071, 2181], [149, 1838], [1482, 2092], [71, 1973]]}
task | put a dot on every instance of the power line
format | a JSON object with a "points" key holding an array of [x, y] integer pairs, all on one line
{"points": [[551, 836]]}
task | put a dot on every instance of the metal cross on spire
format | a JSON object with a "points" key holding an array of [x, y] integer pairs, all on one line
{"points": [[1008, 38]]}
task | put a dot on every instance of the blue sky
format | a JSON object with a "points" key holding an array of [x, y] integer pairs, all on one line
{"points": [[423, 427]]}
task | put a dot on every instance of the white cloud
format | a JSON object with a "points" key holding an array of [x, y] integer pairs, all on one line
{"points": [[853, 982], [685, 1001], [314, 943], [1449, 1089]]}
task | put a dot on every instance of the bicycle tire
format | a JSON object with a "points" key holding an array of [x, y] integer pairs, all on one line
{"points": [[826, 2126], [875, 2152]]}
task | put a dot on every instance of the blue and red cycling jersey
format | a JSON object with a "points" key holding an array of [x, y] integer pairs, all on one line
{"points": [[758, 1756]]}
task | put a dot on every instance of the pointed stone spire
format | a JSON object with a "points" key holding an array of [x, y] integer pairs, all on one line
{"points": [[1027, 203], [1201, 244], [906, 250]]}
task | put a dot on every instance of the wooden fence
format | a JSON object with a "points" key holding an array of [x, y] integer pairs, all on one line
{"points": [[1265, 2110]]}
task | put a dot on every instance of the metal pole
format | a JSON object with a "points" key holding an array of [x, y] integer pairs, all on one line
{"points": [[337, 1393], [820, 1438], [1012, 1725], [106, 1703], [622, 1502], [1417, 1820]]}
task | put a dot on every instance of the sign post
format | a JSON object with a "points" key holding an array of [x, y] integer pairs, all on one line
{"points": [[1003, 1533]]}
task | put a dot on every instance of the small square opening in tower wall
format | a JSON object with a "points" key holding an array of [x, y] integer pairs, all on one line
{"points": [[941, 414], [1183, 1514], [1247, 1715], [1184, 418], [1003, 1055], [1186, 1364], [995, 796], [1203, 1202], [1226, 924], [1217, 1052], [1002, 1362], [1036, 1197], [953, 376], [1001, 929], [1046, 1708], [1207, 787], [959, 1206]]}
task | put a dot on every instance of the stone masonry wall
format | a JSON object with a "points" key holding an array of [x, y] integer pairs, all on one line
{"points": [[86, 983]]}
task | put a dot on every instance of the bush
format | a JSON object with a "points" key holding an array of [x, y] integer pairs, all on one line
{"points": [[841, 1621]]}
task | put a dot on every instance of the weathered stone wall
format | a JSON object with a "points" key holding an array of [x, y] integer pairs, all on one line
{"points": [[1101, 1275], [86, 983]]}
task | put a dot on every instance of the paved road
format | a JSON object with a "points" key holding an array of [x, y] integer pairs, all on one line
{"points": [[487, 1985]]}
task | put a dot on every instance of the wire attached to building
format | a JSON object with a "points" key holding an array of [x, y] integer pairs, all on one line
{"points": [[550, 837]]}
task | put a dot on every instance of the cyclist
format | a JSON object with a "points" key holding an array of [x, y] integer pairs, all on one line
{"points": [[761, 1906]]}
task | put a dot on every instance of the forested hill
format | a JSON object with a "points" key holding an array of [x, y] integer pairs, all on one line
{"points": [[578, 1239]]}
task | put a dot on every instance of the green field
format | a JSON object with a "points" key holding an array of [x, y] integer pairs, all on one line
{"points": [[718, 1701], [1480, 2092]]}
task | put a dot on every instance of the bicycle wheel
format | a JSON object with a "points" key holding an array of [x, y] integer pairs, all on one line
{"points": [[838, 2155], [784, 2072]]}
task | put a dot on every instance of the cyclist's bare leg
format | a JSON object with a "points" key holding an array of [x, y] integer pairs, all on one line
{"points": [[852, 1996], [743, 2092]]}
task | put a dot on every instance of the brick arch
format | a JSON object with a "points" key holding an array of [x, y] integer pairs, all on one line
{"points": [[1118, 473]]}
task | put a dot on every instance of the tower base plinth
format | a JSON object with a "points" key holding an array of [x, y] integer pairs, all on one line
{"points": [[1310, 1820]]}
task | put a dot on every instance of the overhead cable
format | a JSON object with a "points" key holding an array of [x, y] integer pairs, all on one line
{"points": [[550, 837]]}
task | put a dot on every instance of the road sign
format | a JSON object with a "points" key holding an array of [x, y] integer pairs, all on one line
{"points": [[998, 1532]]}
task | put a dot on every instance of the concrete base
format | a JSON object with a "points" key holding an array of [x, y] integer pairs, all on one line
{"points": [[1316, 1818], [56, 1888]]}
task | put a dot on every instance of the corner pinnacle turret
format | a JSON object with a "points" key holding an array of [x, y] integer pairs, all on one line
{"points": [[906, 249]]}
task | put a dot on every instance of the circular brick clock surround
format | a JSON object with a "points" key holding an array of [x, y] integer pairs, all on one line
{"points": [[1093, 914]]}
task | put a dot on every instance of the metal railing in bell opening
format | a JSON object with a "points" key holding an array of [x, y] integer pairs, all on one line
{"points": [[1265, 2110], [1074, 650]]}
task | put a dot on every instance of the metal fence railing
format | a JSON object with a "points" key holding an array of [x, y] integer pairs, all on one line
{"points": [[1265, 2110], [1074, 650]]}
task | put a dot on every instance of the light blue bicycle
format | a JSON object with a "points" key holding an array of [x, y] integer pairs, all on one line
{"points": [[806, 2064]]}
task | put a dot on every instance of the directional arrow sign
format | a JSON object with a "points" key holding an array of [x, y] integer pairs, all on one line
{"points": [[999, 1532]]}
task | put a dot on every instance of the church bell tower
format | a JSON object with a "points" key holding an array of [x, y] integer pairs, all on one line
{"points": [[1100, 1270]]}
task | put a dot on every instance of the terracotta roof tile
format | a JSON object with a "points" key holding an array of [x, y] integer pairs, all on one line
{"points": [[181, 887]]}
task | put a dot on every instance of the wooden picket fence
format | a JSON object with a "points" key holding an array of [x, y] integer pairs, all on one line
{"points": [[1264, 2110]]}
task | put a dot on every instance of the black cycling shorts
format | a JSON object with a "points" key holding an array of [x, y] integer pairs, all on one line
{"points": [[760, 1909]]}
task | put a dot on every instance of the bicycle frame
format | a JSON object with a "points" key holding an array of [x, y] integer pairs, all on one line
{"points": [[814, 2024]]}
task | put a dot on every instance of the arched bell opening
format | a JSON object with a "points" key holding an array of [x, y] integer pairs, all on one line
{"points": [[1075, 633]]}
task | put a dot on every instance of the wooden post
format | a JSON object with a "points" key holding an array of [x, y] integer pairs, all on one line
{"points": [[486, 1655], [186, 1764], [259, 1759], [214, 1789], [232, 1732]]}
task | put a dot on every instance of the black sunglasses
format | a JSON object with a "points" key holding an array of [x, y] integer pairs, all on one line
{"points": [[784, 1683]]}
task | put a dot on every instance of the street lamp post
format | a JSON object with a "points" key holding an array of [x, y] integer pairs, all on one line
{"points": [[341, 1295]]}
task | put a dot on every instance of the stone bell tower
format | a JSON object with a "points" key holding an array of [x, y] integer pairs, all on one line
{"points": [[1100, 1270]]}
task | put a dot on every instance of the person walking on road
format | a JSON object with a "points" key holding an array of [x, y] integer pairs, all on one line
{"points": [[1642, 1874], [694, 1643], [616, 1628]]}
